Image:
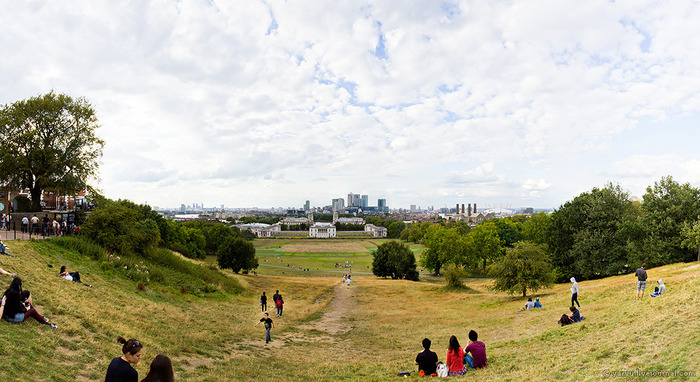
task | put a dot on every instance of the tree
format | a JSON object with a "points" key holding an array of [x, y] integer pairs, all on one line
{"points": [[536, 227], [444, 245], [237, 254], [666, 207], [691, 236], [454, 275], [587, 238], [525, 266], [49, 142], [394, 229], [396, 260], [508, 231], [485, 244]]}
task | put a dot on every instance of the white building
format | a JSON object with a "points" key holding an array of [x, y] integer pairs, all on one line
{"points": [[375, 231], [322, 230], [261, 229]]}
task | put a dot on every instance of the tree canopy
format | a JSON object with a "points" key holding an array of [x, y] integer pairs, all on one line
{"points": [[49, 142], [525, 266], [394, 259]]}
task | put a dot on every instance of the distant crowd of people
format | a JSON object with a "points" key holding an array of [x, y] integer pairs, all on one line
{"points": [[44, 226]]}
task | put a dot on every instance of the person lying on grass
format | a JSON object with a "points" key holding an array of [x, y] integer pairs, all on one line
{"points": [[4, 248], [17, 305], [4, 272], [71, 276]]}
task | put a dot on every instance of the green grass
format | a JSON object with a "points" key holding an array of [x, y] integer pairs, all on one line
{"points": [[210, 337]]}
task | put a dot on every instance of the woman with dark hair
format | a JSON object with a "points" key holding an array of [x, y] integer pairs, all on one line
{"points": [[120, 369], [17, 305], [161, 370], [455, 358], [71, 276]]}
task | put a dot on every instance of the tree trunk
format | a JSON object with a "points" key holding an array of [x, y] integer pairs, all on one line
{"points": [[524, 292], [484, 264], [35, 193]]}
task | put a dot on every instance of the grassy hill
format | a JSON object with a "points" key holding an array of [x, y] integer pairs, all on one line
{"points": [[369, 331]]}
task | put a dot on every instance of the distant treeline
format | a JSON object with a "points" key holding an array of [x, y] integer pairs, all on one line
{"points": [[599, 233]]}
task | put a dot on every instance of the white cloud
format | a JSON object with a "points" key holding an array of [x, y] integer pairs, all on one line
{"points": [[272, 103]]}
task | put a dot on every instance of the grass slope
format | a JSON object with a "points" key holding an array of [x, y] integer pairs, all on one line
{"points": [[369, 331]]}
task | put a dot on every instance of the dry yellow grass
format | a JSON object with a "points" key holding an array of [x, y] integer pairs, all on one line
{"points": [[367, 332]]}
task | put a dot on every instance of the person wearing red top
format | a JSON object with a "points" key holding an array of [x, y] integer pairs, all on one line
{"points": [[477, 359], [455, 358]]}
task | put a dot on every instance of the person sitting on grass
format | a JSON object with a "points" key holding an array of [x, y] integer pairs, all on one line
{"points": [[529, 305], [71, 276], [427, 360], [161, 370], [120, 369], [3, 249], [477, 359], [4, 272], [537, 303], [576, 315], [659, 290], [455, 358], [17, 305]]}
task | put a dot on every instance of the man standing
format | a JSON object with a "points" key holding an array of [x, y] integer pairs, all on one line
{"points": [[269, 324], [35, 224], [25, 223], [574, 292], [263, 302], [641, 281]]}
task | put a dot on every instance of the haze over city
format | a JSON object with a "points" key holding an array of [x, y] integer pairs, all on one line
{"points": [[270, 104]]}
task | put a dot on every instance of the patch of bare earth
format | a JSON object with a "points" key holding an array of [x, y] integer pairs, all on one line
{"points": [[335, 320], [329, 246]]}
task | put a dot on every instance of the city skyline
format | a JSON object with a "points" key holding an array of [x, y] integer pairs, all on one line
{"points": [[250, 103]]}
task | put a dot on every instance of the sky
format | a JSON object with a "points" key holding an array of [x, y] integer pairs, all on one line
{"points": [[431, 103]]}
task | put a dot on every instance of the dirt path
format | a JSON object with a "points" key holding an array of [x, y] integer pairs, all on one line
{"points": [[335, 319]]}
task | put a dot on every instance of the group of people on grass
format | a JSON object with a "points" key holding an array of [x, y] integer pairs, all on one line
{"points": [[121, 369], [279, 307], [457, 359]]}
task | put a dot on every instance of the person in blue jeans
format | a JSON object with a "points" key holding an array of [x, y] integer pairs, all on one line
{"points": [[537, 303], [269, 324]]}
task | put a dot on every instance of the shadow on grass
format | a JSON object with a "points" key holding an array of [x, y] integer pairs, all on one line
{"points": [[461, 289]]}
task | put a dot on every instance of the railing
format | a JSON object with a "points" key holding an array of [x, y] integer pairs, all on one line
{"points": [[17, 231]]}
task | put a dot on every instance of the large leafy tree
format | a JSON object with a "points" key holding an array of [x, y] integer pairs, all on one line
{"points": [[667, 206], [484, 242], [237, 254], [525, 266], [49, 142], [536, 227], [443, 246], [394, 259], [586, 235]]}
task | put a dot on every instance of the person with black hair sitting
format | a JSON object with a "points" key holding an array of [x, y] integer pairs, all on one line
{"points": [[17, 305], [120, 369], [71, 276], [477, 349], [161, 370], [427, 360]]}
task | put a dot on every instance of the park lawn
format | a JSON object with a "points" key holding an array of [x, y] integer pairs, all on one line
{"points": [[378, 325]]}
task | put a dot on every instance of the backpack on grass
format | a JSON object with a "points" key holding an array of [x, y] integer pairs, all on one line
{"points": [[442, 370]]}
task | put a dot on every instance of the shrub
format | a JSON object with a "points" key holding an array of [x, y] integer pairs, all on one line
{"points": [[454, 275]]}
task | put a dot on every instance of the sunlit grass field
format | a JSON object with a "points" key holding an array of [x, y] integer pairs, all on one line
{"points": [[367, 332]]}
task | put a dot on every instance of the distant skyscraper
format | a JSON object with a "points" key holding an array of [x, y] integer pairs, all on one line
{"points": [[182, 208], [365, 201], [338, 204], [307, 206], [381, 205], [413, 208]]}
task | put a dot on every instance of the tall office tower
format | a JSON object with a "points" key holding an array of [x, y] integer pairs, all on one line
{"points": [[338, 204], [365, 201], [222, 207], [413, 208], [356, 200], [381, 205], [182, 208], [307, 206], [350, 198]]}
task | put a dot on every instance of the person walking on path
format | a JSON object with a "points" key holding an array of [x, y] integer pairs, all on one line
{"points": [[279, 304], [263, 302], [574, 292], [348, 281], [269, 324], [641, 281]]}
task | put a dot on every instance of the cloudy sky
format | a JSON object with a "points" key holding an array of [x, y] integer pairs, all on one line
{"points": [[270, 103]]}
